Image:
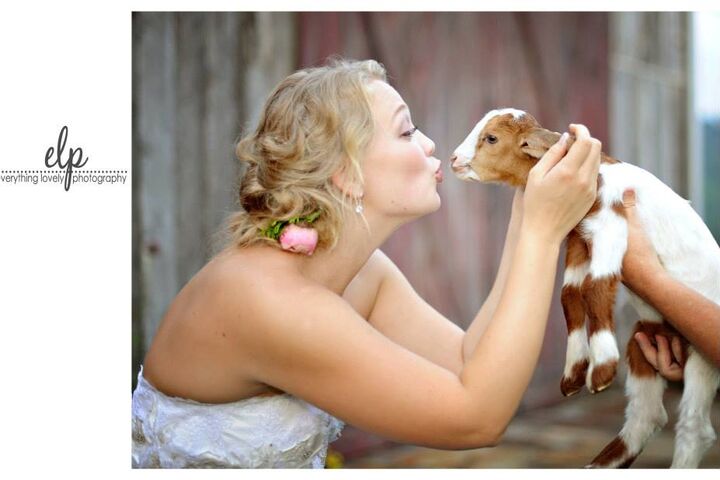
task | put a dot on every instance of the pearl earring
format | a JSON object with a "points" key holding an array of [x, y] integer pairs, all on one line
{"points": [[358, 205]]}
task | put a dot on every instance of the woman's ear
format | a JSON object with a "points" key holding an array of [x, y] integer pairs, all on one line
{"points": [[345, 184]]}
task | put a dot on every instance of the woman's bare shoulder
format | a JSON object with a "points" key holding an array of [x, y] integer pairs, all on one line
{"points": [[209, 325], [245, 281]]}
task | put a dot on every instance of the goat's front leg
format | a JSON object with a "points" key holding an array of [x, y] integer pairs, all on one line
{"points": [[576, 358], [599, 296], [608, 233]]}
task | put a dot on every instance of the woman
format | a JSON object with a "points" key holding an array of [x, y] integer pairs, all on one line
{"points": [[265, 339]]}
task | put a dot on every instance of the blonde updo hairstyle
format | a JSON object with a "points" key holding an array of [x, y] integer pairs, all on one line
{"points": [[316, 122]]}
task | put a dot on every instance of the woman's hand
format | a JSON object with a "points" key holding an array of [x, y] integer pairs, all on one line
{"points": [[666, 358], [640, 261], [561, 188]]}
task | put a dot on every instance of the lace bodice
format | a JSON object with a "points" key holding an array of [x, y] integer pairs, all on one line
{"points": [[281, 431]]}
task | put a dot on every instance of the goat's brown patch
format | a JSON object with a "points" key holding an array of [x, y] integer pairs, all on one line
{"points": [[594, 209], [628, 462], [573, 308], [599, 298], [613, 452], [602, 376], [577, 251], [572, 384]]}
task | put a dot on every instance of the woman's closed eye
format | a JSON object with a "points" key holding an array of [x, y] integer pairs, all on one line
{"points": [[410, 132]]}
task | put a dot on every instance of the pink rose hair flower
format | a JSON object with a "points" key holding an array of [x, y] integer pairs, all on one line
{"points": [[299, 239], [296, 234]]}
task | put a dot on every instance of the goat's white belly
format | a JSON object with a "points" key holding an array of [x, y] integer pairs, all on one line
{"points": [[684, 244]]}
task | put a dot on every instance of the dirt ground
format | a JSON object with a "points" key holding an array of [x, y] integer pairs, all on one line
{"points": [[567, 435]]}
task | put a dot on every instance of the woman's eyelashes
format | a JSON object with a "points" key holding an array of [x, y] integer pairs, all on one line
{"points": [[410, 132]]}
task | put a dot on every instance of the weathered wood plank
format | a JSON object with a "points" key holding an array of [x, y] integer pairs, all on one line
{"points": [[190, 144], [221, 121], [157, 162]]}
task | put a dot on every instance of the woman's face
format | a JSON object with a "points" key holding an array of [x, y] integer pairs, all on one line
{"points": [[400, 173]]}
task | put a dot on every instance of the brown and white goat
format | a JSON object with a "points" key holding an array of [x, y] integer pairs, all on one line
{"points": [[502, 148]]}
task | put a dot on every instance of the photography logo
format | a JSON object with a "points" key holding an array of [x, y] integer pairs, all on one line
{"points": [[63, 171]]}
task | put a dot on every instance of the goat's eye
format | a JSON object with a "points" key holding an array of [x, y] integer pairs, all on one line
{"points": [[491, 139]]}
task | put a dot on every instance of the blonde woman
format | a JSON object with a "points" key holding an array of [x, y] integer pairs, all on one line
{"points": [[301, 323]]}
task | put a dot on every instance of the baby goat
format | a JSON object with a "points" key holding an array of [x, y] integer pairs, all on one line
{"points": [[502, 148]]}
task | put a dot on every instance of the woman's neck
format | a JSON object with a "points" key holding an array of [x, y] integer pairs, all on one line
{"points": [[335, 268], [357, 241]]}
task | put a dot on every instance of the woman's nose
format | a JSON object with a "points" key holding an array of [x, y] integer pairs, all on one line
{"points": [[429, 146]]}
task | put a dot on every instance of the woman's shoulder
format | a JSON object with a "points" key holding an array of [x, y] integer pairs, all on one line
{"points": [[248, 280], [212, 325], [260, 266]]}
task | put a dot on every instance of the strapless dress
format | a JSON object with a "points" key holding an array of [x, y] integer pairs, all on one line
{"points": [[280, 431]]}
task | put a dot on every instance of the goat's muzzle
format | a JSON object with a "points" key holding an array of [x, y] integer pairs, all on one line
{"points": [[459, 163]]}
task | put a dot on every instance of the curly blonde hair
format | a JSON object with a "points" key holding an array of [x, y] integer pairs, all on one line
{"points": [[316, 122]]}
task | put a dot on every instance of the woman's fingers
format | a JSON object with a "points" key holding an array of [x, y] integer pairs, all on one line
{"points": [[664, 358], [629, 199], [579, 130], [647, 349], [554, 154], [591, 166], [677, 349], [666, 366], [661, 357], [579, 153]]}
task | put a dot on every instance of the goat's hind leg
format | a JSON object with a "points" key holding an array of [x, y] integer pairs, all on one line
{"points": [[694, 432], [576, 358], [644, 413]]}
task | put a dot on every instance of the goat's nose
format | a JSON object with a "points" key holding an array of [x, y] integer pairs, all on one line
{"points": [[458, 162]]}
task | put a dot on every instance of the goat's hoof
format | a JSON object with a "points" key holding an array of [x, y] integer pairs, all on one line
{"points": [[614, 455], [573, 384], [568, 393], [601, 376], [568, 387]]}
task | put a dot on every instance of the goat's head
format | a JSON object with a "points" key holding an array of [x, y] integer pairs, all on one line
{"points": [[502, 148]]}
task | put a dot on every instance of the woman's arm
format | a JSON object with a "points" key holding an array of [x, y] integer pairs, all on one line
{"points": [[486, 312], [691, 313], [407, 319]]}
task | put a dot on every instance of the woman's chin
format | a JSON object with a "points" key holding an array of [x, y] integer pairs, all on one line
{"points": [[433, 206], [438, 202]]}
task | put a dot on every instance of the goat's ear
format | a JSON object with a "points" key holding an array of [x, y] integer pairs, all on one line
{"points": [[537, 141]]}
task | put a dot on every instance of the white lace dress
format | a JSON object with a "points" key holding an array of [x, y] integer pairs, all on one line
{"points": [[281, 431]]}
